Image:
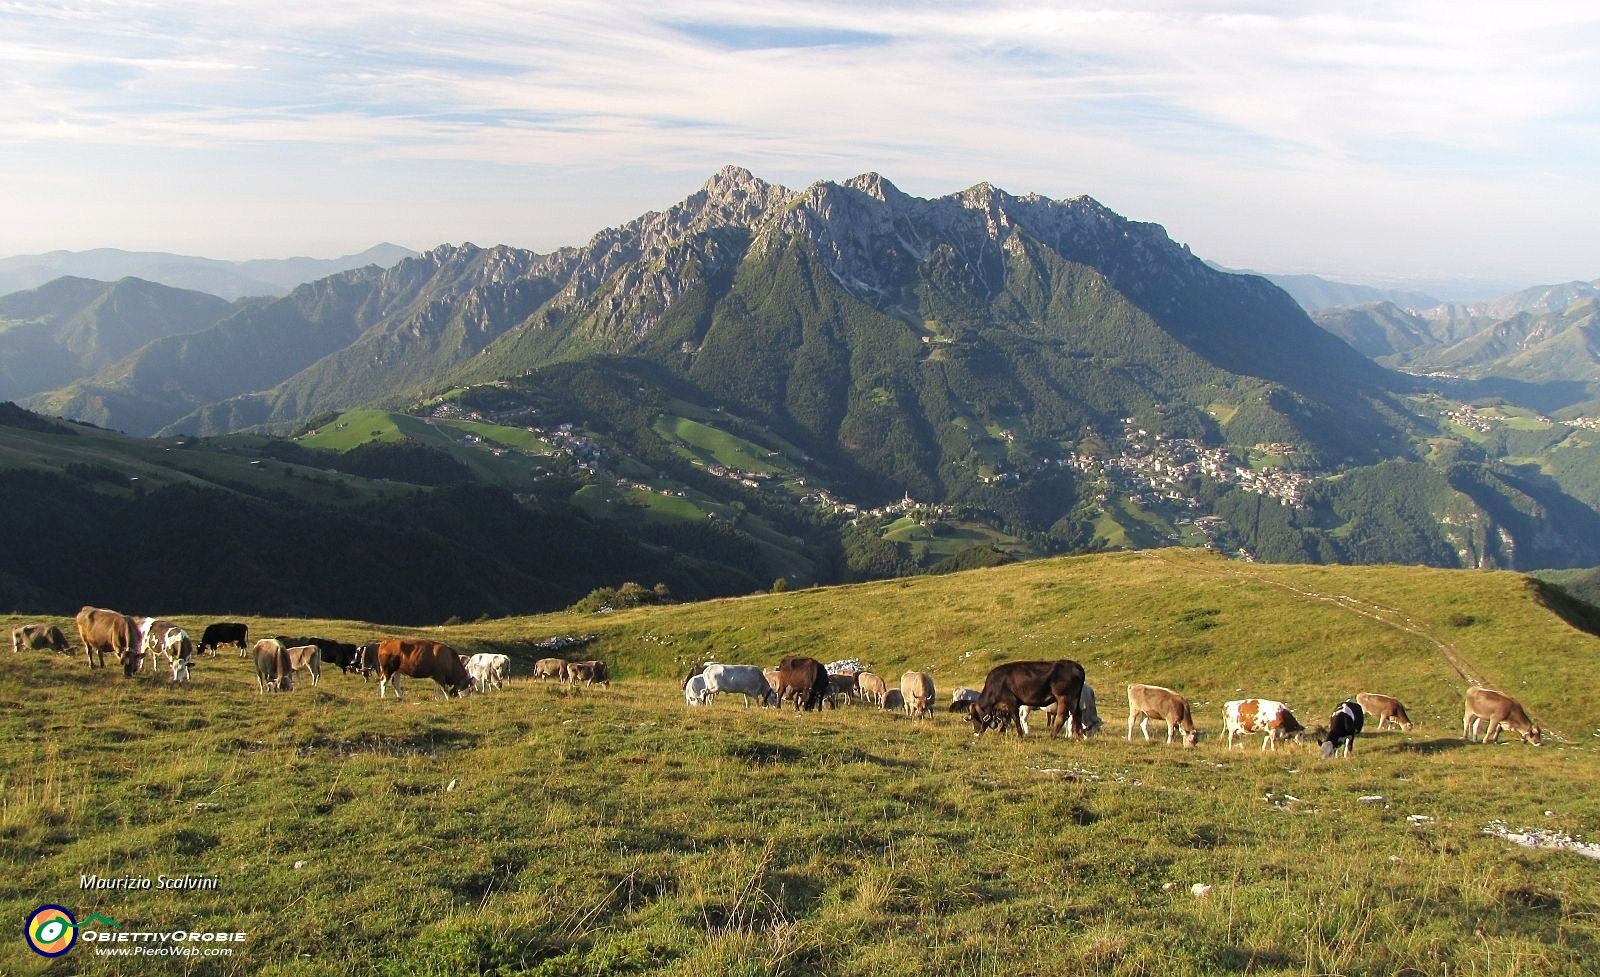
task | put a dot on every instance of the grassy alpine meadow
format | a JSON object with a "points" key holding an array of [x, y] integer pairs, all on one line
{"points": [[551, 830]]}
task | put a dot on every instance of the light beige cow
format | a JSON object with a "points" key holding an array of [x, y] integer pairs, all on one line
{"points": [[916, 689], [1147, 702], [1499, 711]]}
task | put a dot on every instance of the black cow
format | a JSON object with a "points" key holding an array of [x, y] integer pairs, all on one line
{"points": [[343, 654], [367, 660], [1342, 729], [805, 678], [1031, 684], [224, 633]]}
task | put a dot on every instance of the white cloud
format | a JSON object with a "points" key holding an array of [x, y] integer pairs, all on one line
{"points": [[1137, 103]]}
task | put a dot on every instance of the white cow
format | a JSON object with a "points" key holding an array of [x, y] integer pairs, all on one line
{"points": [[1091, 716], [168, 641], [1240, 717], [694, 691], [488, 669], [747, 680]]}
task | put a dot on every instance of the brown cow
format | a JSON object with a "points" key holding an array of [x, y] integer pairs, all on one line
{"points": [[39, 637], [1498, 710], [1147, 702], [874, 688], [101, 631], [916, 688], [1015, 684], [1386, 707], [844, 686], [555, 668], [804, 678], [420, 658], [273, 671], [589, 673], [308, 657]]}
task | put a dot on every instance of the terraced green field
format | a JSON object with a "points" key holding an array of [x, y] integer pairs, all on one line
{"points": [[547, 830]]}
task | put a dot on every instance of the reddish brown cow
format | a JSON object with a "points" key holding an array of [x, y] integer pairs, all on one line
{"points": [[420, 658], [101, 631], [1498, 710], [805, 678]]}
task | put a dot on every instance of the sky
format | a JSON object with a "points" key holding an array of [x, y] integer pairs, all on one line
{"points": [[1390, 141]]}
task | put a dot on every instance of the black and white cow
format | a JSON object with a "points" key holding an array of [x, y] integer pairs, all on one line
{"points": [[1343, 728]]}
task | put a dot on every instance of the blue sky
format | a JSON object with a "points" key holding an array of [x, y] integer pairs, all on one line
{"points": [[1396, 140]]}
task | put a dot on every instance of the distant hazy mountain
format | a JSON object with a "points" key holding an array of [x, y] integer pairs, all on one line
{"points": [[72, 327], [226, 279], [1315, 294], [1544, 341]]}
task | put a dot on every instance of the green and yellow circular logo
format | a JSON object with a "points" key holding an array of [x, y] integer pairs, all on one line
{"points": [[51, 931]]}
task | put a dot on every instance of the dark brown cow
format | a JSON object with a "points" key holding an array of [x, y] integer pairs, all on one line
{"points": [[39, 637], [1032, 684], [420, 658], [101, 631], [1498, 710], [593, 672], [804, 678]]}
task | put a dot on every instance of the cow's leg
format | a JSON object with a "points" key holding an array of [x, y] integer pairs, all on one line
{"points": [[1465, 726]]}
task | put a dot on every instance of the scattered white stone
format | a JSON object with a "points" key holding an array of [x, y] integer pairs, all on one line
{"points": [[1169, 886], [299, 865], [1200, 890], [203, 806], [1370, 799], [1418, 820], [1538, 838], [450, 787]]}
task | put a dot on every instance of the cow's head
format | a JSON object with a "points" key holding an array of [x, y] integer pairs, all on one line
{"points": [[1534, 736], [1190, 738]]}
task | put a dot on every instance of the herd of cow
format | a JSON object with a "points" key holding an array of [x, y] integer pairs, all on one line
{"points": [[136, 641], [1012, 690], [1009, 693]]}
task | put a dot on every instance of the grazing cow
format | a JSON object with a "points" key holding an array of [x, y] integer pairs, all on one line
{"points": [[1147, 702], [555, 668], [163, 640], [1343, 728], [367, 660], [1386, 707], [1499, 711], [1012, 685], [916, 688], [873, 688], [844, 686], [39, 637], [805, 679], [963, 695], [1242, 717], [273, 671], [224, 633], [487, 668], [101, 631], [697, 669], [420, 658], [341, 654], [589, 673], [308, 657], [695, 692], [747, 680], [1086, 709]]}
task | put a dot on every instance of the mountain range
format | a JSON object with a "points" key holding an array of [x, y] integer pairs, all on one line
{"points": [[226, 279], [849, 381]]}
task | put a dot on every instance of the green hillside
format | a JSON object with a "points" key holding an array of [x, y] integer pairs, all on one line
{"points": [[546, 830]]}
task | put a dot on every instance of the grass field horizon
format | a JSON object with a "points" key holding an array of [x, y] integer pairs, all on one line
{"points": [[546, 830]]}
